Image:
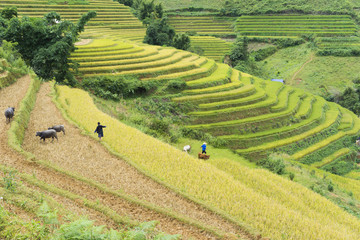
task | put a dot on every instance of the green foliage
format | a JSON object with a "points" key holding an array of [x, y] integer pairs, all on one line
{"points": [[340, 52], [9, 12], [340, 167], [181, 41], [176, 85], [274, 162], [85, 230], [159, 32], [115, 88], [160, 126], [68, 2], [202, 136], [258, 7], [126, 2], [46, 43], [291, 176], [150, 10], [10, 181], [261, 54], [239, 51], [11, 228], [12, 60], [196, 49], [350, 99]]}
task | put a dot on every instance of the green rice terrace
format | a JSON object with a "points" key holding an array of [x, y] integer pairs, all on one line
{"points": [[203, 25], [113, 19], [133, 184], [296, 25], [254, 116], [214, 48]]}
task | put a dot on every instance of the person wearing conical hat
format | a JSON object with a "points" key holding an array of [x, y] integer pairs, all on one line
{"points": [[203, 148]]}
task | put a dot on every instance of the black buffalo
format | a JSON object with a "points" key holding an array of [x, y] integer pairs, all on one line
{"points": [[58, 128], [9, 113], [47, 134]]}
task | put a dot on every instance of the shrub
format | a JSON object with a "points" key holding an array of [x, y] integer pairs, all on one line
{"points": [[200, 135], [340, 167], [126, 2], [181, 41], [159, 126], [159, 32], [239, 51], [176, 84], [330, 187], [115, 88], [264, 53], [10, 181], [291, 176], [274, 163]]}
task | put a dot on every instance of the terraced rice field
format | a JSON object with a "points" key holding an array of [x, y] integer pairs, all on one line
{"points": [[254, 116], [116, 183], [203, 25], [296, 25], [113, 19], [341, 43], [214, 48]]}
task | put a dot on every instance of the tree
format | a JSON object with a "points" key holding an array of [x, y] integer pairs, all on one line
{"points": [[181, 41], [149, 10], [9, 12], [239, 51], [46, 43], [350, 100], [159, 33]]}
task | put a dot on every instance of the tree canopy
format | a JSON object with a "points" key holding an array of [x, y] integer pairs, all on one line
{"points": [[45, 43]]}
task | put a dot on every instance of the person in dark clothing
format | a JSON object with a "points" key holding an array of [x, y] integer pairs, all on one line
{"points": [[203, 148], [99, 130]]}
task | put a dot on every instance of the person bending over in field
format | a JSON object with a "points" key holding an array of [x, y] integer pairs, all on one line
{"points": [[99, 130]]}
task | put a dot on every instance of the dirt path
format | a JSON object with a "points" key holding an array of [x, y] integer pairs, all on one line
{"points": [[84, 156], [302, 67], [11, 96]]}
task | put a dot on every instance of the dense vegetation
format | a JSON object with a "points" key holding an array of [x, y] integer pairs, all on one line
{"points": [[254, 7], [45, 43]]}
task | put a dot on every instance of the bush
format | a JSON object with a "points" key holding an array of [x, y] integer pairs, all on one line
{"points": [[126, 2], [340, 167], [274, 163], [159, 32], [197, 50], [239, 51], [115, 88], [176, 84], [181, 41], [330, 187], [200, 135], [264, 53], [159, 126], [291, 176]]}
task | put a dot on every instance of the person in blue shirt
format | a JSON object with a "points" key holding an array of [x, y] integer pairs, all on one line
{"points": [[99, 130], [203, 148]]}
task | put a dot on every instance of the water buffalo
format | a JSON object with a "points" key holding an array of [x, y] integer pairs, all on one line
{"points": [[9, 113], [47, 134], [58, 128]]}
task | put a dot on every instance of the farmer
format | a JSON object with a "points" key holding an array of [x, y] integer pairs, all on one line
{"points": [[99, 130], [203, 148]]}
